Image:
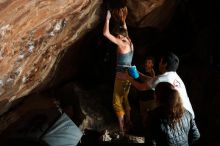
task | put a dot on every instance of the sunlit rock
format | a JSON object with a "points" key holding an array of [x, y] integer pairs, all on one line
{"points": [[34, 35]]}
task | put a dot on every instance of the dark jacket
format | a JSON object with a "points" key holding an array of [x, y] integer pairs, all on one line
{"points": [[161, 134]]}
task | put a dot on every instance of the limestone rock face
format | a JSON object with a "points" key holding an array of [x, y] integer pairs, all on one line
{"points": [[34, 35], [150, 13]]}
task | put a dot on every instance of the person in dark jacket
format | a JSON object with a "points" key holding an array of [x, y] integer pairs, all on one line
{"points": [[170, 123]]}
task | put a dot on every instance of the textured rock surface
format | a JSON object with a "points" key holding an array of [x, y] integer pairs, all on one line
{"points": [[32, 103], [150, 13], [98, 115], [33, 37]]}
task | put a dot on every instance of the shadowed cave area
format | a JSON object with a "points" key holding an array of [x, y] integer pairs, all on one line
{"points": [[84, 77]]}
